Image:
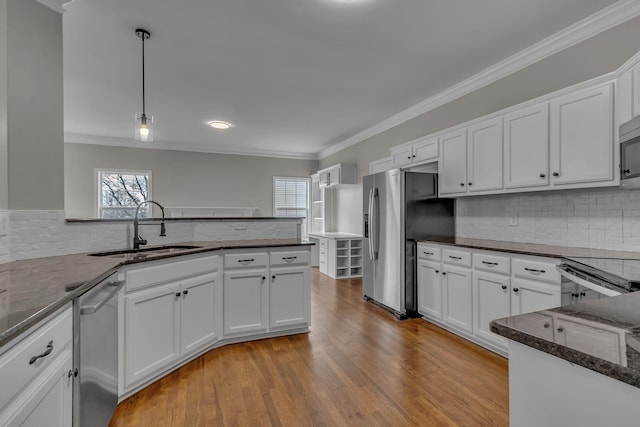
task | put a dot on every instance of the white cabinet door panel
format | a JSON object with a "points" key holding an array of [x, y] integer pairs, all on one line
{"points": [[246, 294], [526, 147], [401, 157], [458, 307], [582, 137], [453, 163], [430, 289], [152, 335], [624, 98], [491, 301], [528, 296], [288, 294], [425, 150], [636, 90], [485, 152], [198, 309]]}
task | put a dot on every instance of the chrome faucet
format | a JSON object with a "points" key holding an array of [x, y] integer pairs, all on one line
{"points": [[137, 239]]}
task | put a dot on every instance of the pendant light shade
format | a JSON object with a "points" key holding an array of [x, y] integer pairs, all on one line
{"points": [[144, 121]]}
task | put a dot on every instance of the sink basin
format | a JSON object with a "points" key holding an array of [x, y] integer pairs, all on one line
{"points": [[144, 252]]}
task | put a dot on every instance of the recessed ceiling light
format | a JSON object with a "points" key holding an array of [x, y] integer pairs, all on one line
{"points": [[219, 124]]}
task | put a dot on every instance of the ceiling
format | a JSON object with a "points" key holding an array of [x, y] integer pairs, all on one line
{"points": [[294, 77]]}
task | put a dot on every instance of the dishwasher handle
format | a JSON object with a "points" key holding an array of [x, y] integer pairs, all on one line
{"points": [[100, 297]]}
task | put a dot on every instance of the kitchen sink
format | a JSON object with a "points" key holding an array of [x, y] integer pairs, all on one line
{"points": [[144, 252]]}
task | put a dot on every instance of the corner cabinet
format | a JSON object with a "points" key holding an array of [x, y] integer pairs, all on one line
{"points": [[342, 173], [39, 393], [415, 152]]}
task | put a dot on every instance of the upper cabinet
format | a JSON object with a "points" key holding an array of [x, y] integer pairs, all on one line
{"points": [[341, 173], [415, 152], [566, 142]]}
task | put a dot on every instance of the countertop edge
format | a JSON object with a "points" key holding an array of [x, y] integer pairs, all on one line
{"points": [[185, 219]]}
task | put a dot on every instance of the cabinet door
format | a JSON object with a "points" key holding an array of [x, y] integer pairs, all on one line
{"points": [[526, 147], [401, 157], [581, 335], [47, 401], [458, 308], [625, 98], [636, 90], [288, 296], [246, 294], [484, 158], [528, 296], [425, 150], [452, 169], [152, 331], [491, 301], [200, 308], [582, 137], [430, 289]]}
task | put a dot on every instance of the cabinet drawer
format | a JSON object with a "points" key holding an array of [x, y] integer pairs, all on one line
{"points": [[456, 257], [170, 270], [429, 252], [246, 260], [15, 370], [495, 264], [323, 244], [289, 258], [535, 270]]}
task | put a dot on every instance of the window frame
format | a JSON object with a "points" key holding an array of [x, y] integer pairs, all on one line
{"points": [[303, 230], [98, 186]]}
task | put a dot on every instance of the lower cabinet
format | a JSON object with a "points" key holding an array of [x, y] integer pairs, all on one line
{"points": [[246, 294], [492, 301], [288, 297], [430, 289], [528, 296], [458, 303], [35, 376]]}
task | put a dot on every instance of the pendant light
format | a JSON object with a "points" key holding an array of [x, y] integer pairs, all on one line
{"points": [[144, 121]]}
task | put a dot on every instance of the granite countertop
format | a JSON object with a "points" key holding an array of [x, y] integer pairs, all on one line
{"points": [[32, 289], [532, 248], [605, 332]]}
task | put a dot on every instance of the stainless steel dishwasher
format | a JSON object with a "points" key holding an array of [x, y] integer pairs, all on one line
{"points": [[95, 346]]}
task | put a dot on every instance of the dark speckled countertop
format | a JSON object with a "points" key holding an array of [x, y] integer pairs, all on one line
{"points": [[32, 289]]}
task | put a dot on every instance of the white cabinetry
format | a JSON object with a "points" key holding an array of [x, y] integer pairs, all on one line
{"points": [[380, 165], [415, 152], [39, 393], [458, 306], [581, 132], [165, 321], [321, 207], [289, 298], [430, 288], [452, 168], [492, 301], [340, 255], [341, 173], [526, 147], [484, 156]]}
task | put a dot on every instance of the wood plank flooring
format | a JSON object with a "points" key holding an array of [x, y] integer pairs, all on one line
{"points": [[359, 366]]}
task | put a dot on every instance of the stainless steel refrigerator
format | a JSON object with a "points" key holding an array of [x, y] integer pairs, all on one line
{"points": [[399, 208]]}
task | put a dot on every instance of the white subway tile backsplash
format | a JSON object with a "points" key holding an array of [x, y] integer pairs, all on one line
{"points": [[599, 218]]}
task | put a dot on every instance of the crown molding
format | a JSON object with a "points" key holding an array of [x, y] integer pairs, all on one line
{"points": [[603, 20], [72, 138], [57, 5]]}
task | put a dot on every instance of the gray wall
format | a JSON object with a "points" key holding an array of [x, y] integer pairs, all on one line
{"points": [[4, 165], [594, 57], [179, 178], [34, 108]]}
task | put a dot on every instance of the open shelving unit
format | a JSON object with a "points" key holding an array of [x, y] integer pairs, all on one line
{"points": [[344, 258]]}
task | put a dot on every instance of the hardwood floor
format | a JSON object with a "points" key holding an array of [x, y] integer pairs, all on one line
{"points": [[358, 366]]}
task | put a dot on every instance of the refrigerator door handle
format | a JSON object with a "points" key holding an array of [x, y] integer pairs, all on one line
{"points": [[371, 223], [376, 225]]}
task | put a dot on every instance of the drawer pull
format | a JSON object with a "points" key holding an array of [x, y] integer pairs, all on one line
{"points": [[546, 325], [185, 292], [516, 290], [428, 253], [533, 270], [43, 354], [177, 294], [560, 329], [489, 263], [504, 287], [246, 261], [289, 258], [457, 258]]}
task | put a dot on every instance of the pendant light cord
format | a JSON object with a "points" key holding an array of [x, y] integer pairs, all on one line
{"points": [[143, 103]]}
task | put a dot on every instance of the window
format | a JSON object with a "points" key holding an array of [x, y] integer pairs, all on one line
{"points": [[291, 198], [119, 192]]}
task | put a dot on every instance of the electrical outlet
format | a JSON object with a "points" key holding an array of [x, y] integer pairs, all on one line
{"points": [[514, 220]]}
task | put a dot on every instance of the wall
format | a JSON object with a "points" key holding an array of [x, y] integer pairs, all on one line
{"points": [[596, 56], [180, 178], [34, 106]]}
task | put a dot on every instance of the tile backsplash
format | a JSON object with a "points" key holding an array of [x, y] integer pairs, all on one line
{"points": [[34, 234], [599, 218]]}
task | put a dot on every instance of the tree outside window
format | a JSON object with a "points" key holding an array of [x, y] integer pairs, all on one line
{"points": [[119, 192]]}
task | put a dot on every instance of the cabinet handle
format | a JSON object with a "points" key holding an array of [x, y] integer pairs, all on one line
{"points": [[560, 329], [273, 277], [457, 258], [583, 294], [72, 373], [409, 158], [516, 290], [428, 253], [437, 271], [504, 287], [489, 263], [264, 278], [546, 325], [543, 175], [533, 270], [462, 184], [444, 273], [43, 354], [471, 183], [556, 174], [185, 292], [626, 171], [289, 258], [246, 261], [178, 294], [574, 295]]}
